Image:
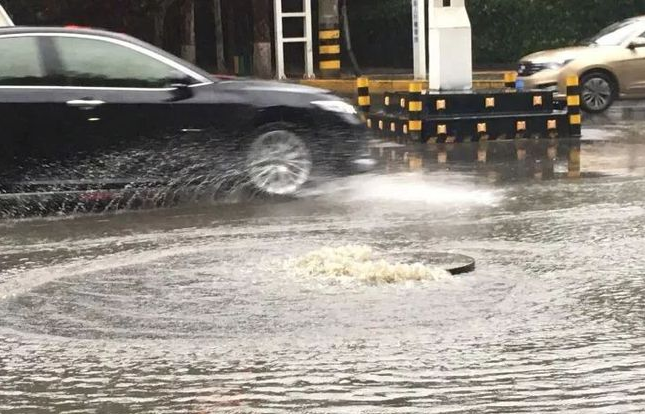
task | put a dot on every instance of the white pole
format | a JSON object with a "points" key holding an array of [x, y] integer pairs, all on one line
{"points": [[419, 39], [279, 44], [309, 47]]}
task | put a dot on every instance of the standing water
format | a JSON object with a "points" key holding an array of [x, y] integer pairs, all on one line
{"points": [[250, 307]]}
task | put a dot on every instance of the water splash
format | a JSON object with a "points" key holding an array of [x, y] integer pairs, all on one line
{"points": [[413, 188], [160, 175], [361, 263]]}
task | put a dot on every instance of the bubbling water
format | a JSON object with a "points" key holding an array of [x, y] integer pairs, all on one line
{"points": [[361, 263]]}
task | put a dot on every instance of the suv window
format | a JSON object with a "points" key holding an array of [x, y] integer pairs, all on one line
{"points": [[20, 62], [98, 63]]}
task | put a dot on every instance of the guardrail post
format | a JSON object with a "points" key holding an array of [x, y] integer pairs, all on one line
{"points": [[573, 106], [415, 106], [364, 101]]}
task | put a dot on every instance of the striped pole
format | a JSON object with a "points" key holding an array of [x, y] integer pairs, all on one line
{"points": [[510, 79], [415, 106], [573, 106], [329, 39], [364, 101]]}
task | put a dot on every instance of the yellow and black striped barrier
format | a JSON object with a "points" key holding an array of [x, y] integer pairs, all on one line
{"points": [[364, 100], [329, 51], [573, 106], [460, 117], [415, 108]]}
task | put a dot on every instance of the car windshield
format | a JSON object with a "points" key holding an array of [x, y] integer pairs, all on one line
{"points": [[614, 35]]}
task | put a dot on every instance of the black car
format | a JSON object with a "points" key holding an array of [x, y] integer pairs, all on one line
{"points": [[92, 115]]}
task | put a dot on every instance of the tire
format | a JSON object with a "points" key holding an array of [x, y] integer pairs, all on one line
{"points": [[279, 160], [598, 91]]}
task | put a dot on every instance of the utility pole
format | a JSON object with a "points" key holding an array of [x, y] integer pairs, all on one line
{"points": [[329, 37], [262, 39], [188, 49], [419, 39]]}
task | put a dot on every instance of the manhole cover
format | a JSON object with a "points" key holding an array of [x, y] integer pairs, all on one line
{"points": [[456, 264]]}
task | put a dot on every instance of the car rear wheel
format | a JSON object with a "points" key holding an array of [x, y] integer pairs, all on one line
{"points": [[598, 92], [279, 161]]}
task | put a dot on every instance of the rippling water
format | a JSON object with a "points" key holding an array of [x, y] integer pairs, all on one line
{"points": [[190, 310]]}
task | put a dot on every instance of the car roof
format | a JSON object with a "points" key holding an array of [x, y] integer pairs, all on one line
{"points": [[70, 30], [635, 19], [13, 30]]}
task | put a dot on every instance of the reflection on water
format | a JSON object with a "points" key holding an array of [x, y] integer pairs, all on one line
{"points": [[499, 160], [186, 310]]}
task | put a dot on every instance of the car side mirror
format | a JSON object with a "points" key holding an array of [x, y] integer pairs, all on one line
{"points": [[636, 44], [180, 84]]}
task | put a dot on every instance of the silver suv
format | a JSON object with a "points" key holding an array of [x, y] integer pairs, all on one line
{"points": [[5, 20]]}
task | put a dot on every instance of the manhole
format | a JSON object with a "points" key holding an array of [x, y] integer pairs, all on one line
{"points": [[456, 264]]}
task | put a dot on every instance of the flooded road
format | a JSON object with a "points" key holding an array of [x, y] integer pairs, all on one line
{"points": [[199, 309]]}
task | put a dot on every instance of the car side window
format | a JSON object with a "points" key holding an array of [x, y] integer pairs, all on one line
{"points": [[20, 62], [98, 63]]}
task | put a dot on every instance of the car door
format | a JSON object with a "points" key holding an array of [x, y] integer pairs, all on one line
{"points": [[117, 103], [28, 113], [631, 69], [138, 115]]}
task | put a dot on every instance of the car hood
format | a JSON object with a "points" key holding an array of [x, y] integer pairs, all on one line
{"points": [[562, 55], [269, 86]]}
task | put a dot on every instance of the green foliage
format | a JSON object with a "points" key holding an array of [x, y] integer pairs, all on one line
{"points": [[506, 30], [503, 30]]}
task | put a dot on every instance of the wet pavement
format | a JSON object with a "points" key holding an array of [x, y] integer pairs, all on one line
{"points": [[200, 309]]}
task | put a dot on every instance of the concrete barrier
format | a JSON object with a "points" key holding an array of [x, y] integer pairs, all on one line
{"points": [[477, 116]]}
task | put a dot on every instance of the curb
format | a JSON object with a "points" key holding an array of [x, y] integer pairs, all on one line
{"points": [[348, 86]]}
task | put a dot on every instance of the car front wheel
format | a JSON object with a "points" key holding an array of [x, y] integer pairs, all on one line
{"points": [[598, 92], [279, 161]]}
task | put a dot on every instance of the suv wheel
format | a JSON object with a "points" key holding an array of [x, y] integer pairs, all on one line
{"points": [[598, 91], [279, 161]]}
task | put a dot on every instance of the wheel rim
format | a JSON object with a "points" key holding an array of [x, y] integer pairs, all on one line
{"points": [[596, 94], [279, 163]]}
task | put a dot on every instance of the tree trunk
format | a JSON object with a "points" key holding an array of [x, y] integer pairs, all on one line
{"points": [[262, 38], [219, 36], [188, 49], [348, 39], [160, 20], [229, 28]]}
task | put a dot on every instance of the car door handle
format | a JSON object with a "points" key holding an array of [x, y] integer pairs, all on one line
{"points": [[85, 103]]}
